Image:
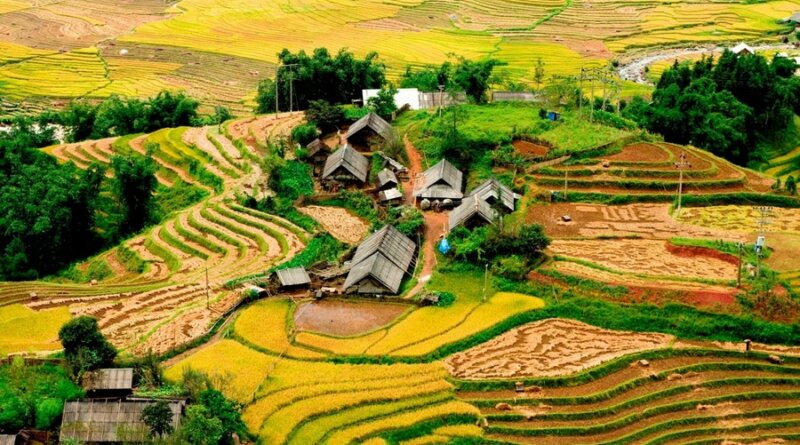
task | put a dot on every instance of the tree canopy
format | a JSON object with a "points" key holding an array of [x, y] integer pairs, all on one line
{"points": [[473, 77], [729, 107], [85, 347]]}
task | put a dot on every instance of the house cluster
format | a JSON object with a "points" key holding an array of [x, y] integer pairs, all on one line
{"points": [[110, 413]]}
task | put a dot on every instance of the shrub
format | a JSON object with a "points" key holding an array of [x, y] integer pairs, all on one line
{"points": [[327, 116], [445, 299], [513, 267], [303, 134]]}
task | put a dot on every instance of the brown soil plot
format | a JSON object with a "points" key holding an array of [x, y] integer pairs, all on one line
{"points": [[341, 224], [327, 316]]}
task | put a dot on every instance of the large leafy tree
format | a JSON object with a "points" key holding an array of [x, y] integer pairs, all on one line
{"points": [[134, 183], [336, 79], [85, 347], [158, 417]]}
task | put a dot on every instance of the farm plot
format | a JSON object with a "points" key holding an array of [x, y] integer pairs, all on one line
{"points": [[339, 222], [741, 219], [362, 317], [648, 258], [549, 347], [674, 396], [17, 333], [650, 221]]}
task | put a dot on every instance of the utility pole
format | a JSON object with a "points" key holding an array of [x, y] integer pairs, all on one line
{"points": [[291, 92], [277, 71], [740, 248], [485, 280], [765, 212], [591, 99], [680, 164], [580, 94], [441, 99]]}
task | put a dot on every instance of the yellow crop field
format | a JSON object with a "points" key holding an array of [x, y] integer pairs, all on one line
{"points": [[15, 337], [346, 346], [363, 431], [228, 360], [264, 325], [72, 74]]}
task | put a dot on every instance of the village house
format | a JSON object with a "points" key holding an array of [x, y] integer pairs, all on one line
{"points": [[346, 165], [380, 263], [108, 421], [441, 186], [293, 278], [483, 205], [109, 383], [386, 180], [317, 153], [371, 131]]}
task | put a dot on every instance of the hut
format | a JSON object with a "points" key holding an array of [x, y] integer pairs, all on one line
{"points": [[109, 383], [380, 262], [346, 165], [441, 185], [317, 152], [742, 49], [293, 278], [110, 421], [391, 196], [371, 130], [494, 192], [386, 179], [393, 165]]}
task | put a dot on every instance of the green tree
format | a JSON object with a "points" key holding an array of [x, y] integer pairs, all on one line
{"points": [[791, 185], [200, 427], [327, 117], [383, 104], [538, 73], [78, 119], [134, 183], [158, 417], [473, 77], [228, 412], [85, 347]]}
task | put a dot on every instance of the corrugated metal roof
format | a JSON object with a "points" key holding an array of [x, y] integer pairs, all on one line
{"points": [[373, 121], [385, 255], [472, 206], [102, 420], [442, 181], [492, 190], [388, 195], [109, 379], [293, 276], [386, 177], [349, 159], [315, 146]]}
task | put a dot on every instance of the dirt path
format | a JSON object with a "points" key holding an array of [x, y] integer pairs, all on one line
{"points": [[435, 223], [634, 70]]}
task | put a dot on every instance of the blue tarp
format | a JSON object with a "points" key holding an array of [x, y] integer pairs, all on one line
{"points": [[444, 246]]}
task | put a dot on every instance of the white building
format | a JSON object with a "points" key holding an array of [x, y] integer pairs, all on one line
{"points": [[404, 96]]}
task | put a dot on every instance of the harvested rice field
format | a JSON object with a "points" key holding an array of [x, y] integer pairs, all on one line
{"points": [[327, 316], [650, 221], [339, 222]]}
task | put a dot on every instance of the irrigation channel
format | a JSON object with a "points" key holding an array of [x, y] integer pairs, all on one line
{"points": [[634, 69]]}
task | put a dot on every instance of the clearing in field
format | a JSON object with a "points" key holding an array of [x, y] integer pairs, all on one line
{"points": [[549, 347], [345, 318], [339, 222]]}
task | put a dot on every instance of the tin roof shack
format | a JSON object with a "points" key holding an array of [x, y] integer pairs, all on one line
{"points": [[109, 383], [390, 197], [380, 262], [317, 152], [101, 421], [293, 278], [441, 185], [370, 132], [346, 165], [483, 205]]}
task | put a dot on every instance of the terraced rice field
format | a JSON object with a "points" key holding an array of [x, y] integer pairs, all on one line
{"points": [[215, 240], [218, 51], [618, 387], [649, 169]]}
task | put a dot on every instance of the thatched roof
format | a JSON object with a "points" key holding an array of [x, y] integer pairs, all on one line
{"points": [[385, 256], [109, 421], [109, 379], [375, 123], [492, 191], [386, 178], [350, 160], [315, 146], [442, 181], [471, 207], [293, 276]]}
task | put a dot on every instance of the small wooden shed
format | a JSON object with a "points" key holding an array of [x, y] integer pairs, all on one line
{"points": [[293, 278], [386, 179], [109, 383], [346, 165]]}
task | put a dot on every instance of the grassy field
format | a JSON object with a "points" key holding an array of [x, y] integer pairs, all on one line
{"points": [[218, 50], [15, 337]]}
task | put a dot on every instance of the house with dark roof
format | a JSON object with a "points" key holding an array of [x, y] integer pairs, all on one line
{"points": [[390, 196], [441, 184], [109, 383], [317, 152], [293, 277], [386, 179], [369, 132], [483, 205], [101, 421], [380, 263], [346, 165]]}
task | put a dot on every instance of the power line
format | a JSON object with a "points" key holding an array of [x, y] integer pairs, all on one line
{"points": [[680, 164]]}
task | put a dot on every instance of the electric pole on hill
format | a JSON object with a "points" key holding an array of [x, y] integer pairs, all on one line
{"points": [[277, 71], [764, 213], [680, 164]]}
